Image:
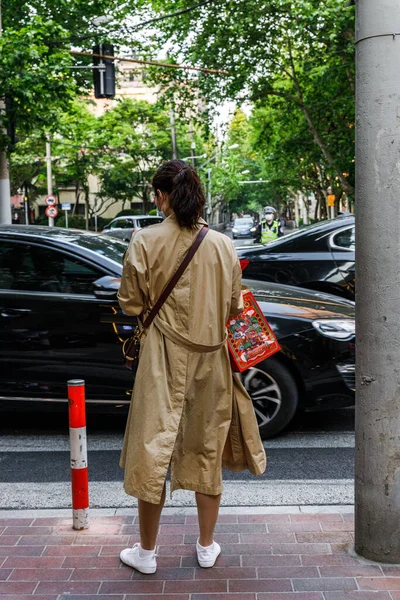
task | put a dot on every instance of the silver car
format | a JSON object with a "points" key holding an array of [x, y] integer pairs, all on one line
{"points": [[123, 227]]}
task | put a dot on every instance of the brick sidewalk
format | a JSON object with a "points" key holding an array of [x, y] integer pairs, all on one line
{"points": [[264, 557]]}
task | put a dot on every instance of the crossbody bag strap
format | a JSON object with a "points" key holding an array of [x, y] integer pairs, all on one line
{"points": [[175, 278]]}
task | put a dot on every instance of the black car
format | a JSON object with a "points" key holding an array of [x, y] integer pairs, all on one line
{"points": [[244, 227], [60, 320], [318, 257]]}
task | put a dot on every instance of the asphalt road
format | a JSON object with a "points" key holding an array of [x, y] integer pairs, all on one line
{"points": [[311, 463]]}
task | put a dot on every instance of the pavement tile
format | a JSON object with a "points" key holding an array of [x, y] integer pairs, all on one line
{"points": [[177, 519], [395, 595], [85, 597], [45, 540], [271, 560], [324, 584], [130, 530], [18, 522], [166, 574], [333, 560], [287, 572], [101, 540], [221, 519], [285, 527], [222, 538], [114, 574], [172, 528], [240, 528], [179, 550], [152, 597], [359, 596], [67, 587], [263, 518], [72, 550], [95, 528], [40, 575], [222, 561], [131, 587], [375, 583], [28, 530], [17, 587], [163, 539], [2, 530], [352, 571], [337, 526], [348, 517], [9, 540], [111, 550], [5, 574], [90, 562], [197, 586], [34, 562], [292, 596], [322, 518], [223, 597], [46, 521], [267, 538], [330, 537], [21, 550], [24, 597], [260, 585], [226, 573], [301, 549], [391, 571]]}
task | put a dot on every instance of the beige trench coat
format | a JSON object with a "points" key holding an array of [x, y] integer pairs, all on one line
{"points": [[188, 410]]}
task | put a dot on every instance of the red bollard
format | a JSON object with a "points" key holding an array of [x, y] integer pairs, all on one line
{"points": [[79, 462]]}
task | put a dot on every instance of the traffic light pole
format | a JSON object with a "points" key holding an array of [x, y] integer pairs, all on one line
{"points": [[5, 193], [377, 481]]}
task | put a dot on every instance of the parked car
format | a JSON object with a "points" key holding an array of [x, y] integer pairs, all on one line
{"points": [[60, 320], [123, 227], [319, 257], [244, 227]]}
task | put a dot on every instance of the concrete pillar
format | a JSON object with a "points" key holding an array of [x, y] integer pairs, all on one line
{"points": [[378, 281]]}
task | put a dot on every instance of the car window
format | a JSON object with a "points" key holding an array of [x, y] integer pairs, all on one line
{"points": [[121, 224], [243, 222], [345, 239], [27, 267], [145, 222]]}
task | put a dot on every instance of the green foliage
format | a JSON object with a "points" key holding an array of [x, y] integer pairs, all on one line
{"points": [[74, 222], [127, 212]]}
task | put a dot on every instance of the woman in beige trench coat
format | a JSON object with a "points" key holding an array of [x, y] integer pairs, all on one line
{"points": [[188, 410]]}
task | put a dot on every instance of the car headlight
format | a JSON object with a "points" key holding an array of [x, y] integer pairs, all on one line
{"points": [[338, 329], [253, 229], [234, 229]]}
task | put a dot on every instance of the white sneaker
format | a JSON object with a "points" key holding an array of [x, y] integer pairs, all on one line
{"points": [[132, 558], [207, 556]]}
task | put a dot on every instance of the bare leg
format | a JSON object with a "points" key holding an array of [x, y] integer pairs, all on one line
{"points": [[149, 519], [207, 511]]}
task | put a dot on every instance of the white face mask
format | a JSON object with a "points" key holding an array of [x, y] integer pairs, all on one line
{"points": [[269, 217]]}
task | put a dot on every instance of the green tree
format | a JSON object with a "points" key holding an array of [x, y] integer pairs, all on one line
{"points": [[301, 52]]}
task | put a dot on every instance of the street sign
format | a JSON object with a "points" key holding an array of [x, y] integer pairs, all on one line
{"points": [[66, 206], [51, 212], [50, 200], [331, 199]]}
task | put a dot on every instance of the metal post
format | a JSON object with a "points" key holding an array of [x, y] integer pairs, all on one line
{"points": [[79, 462], [49, 173], [173, 133], [377, 487], [209, 194], [26, 204], [5, 191], [66, 219]]}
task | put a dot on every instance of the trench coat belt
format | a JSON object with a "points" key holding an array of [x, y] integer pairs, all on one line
{"points": [[180, 340]]}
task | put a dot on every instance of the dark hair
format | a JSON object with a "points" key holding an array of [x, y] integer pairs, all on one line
{"points": [[181, 182]]}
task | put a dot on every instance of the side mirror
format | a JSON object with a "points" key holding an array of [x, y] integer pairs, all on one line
{"points": [[106, 287]]}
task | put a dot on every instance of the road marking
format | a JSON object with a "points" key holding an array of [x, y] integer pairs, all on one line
{"points": [[107, 441]]}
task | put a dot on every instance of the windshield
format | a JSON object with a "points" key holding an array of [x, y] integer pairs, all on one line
{"points": [[243, 222], [106, 246], [149, 221]]}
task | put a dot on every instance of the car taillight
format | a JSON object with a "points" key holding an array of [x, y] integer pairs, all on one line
{"points": [[244, 263]]}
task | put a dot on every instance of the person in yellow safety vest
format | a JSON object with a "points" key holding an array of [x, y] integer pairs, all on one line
{"points": [[270, 228]]}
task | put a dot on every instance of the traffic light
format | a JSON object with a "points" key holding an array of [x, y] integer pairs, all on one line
{"points": [[104, 72]]}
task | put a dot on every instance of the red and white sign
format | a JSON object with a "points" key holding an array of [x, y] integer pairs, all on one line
{"points": [[50, 200], [51, 212]]}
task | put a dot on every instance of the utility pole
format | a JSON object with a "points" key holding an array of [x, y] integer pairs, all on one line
{"points": [[173, 132], [5, 191], [377, 487], [49, 173]]}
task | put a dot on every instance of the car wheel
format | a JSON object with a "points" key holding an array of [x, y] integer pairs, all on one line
{"points": [[274, 393]]}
